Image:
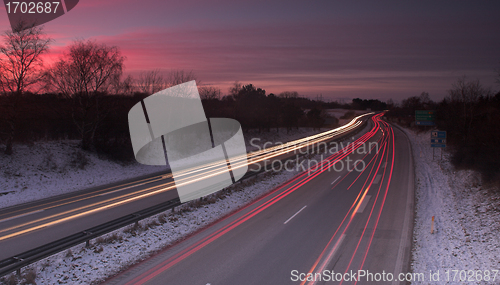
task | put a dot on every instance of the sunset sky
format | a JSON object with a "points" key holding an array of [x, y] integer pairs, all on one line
{"points": [[340, 49]]}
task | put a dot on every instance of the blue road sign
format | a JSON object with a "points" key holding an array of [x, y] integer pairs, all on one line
{"points": [[424, 123], [438, 139], [438, 145], [438, 135]]}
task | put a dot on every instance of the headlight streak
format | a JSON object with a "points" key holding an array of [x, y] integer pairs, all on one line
{"points": [[45, 205], [381, 141], [278, 150], [207, 240], [130, 197], [49, 205], [296, 144]]}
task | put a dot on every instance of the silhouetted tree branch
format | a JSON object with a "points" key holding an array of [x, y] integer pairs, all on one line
{"points": [[20, 69], [85, 75], [151, 82]]}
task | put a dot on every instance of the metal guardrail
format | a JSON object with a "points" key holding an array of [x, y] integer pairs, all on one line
{"points": [[19, 261], [16, 263]]}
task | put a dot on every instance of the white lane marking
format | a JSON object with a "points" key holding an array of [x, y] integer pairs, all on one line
{"points": [[335, 180], [377, 179], [385, 164], [23, 215], [329, 258], [363, 204], [295, 214]]}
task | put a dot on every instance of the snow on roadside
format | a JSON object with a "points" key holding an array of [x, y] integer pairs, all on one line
{"points": [[127, 246], [46, 169], [467, 219], [118, 250]]}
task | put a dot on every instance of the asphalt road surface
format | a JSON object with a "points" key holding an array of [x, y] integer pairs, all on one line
{"points": [[28, 226], [329, 220]]}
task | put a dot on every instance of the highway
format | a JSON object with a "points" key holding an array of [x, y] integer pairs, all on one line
{"points": [[28, 226], [329, 222]]}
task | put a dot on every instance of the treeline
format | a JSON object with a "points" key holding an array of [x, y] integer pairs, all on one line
{"points": [[470, 114], [55, 116], [84, 96]]}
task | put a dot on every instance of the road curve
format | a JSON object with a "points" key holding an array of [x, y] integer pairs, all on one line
{"points": [[328, 220], [28, 226]]}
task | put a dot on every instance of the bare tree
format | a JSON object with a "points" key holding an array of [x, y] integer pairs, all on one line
{"points": [[466, 91], [289, 94], [424, 98], [125, 87], [180, 76], [235, 89], [465, 94], [209, 93], [151, 82], [412, 103], [391, 104], [85, 75], [88, 69], [21, 56], [21, 67]]}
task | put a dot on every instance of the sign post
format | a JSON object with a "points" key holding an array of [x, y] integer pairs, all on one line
{"points": [[438, 139]]}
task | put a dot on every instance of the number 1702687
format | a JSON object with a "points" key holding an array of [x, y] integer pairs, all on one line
{"points": [[39, 7]]}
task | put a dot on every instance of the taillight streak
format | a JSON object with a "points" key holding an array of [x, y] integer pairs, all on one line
{"points": [[371, 211], [207, 240]]}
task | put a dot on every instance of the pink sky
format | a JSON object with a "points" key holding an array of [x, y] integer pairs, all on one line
{"points": [[339, 50]]}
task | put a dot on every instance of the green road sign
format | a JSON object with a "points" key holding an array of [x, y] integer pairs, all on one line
{"points": [[424, 115]]}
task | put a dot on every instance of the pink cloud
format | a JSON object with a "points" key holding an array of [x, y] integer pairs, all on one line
{"points": [[300, 46]]}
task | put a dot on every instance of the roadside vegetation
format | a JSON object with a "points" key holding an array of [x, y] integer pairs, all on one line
{"points": [[470, 114], [85, 96]]}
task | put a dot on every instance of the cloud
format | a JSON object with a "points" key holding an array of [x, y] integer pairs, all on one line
{"points": [[364, 48], [313, 54]]}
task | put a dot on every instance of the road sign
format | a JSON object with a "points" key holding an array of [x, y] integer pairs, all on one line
{"points": [[424, 115], [424, 123], [424, 118], [438, 141], [438, 134], [438, 145]]}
